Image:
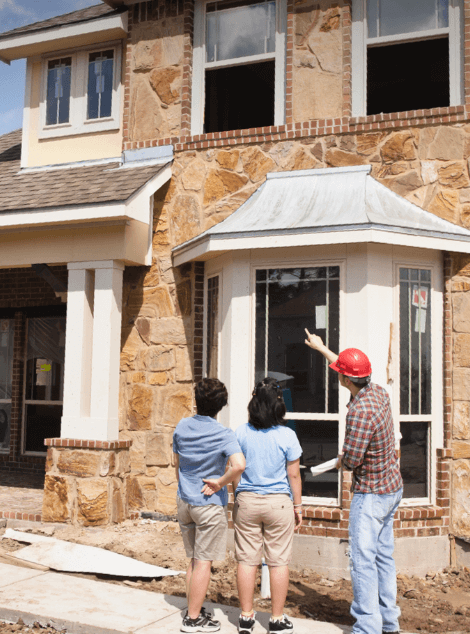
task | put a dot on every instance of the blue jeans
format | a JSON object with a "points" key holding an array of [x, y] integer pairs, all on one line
{"points": [[372, 565]]}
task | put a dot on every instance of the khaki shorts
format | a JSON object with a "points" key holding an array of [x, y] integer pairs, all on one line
{"points": [[204, 530], [267, 519]]}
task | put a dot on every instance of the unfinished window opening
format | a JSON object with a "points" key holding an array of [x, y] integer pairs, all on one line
{"points": [[212, 328], [239, 97], [239, 65], [409, 76], [287, 301], [44, 381], [406, 55], [415, 380], [6, 374]]}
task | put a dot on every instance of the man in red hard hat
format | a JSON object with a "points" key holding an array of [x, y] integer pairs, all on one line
{"points": [[369, 451]]}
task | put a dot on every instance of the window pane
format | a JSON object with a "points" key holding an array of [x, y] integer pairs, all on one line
{"points": [[6, 357], [414, 459], [403, 16], [5, 426], [294, 299], [45, 359], [408, 76], [319, 441], [100, 84], [42, 421], [415, 345], [372, 15], [240, 32], [212, 350], [58, 91]]}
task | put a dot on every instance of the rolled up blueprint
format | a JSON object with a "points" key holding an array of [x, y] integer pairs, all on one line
{"points": [[323, 467]]}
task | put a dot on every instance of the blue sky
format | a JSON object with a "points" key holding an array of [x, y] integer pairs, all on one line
{"points": [[15, 13]]}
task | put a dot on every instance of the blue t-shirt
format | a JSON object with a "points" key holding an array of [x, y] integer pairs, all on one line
{"points": [[203, 446], [266, 452]]}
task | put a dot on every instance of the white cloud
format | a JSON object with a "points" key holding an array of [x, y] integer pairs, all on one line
{"points": [[14, 7]]}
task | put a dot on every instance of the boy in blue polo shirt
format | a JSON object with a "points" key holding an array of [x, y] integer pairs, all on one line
{"points": [[201, 449]]}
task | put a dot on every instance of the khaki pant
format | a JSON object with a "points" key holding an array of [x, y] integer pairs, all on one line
{"points": [[204, 530], [263, 519]]}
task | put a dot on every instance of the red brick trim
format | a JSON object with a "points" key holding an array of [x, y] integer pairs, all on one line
{"points": [[134, 515], [316, 128], [347, 58], [87, 444], [447, 356], [198, 319], [466, 39], [186, 87], [289, 112], [17, 515]]}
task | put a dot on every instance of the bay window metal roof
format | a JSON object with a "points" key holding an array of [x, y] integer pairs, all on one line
{"points": [[324, 206]]}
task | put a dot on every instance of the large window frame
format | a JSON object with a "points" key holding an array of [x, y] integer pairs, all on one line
{"points": [[78, 113], [5, 399], [361, 42], [340, 417], [207, 325], [200, 65], [435, 418]]}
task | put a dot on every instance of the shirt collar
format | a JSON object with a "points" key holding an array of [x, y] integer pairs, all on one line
{"points": [[361, 393], [204, 419]]}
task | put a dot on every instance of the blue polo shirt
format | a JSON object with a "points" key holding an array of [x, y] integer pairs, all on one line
{"points": [[267, 451], [203, 446]]}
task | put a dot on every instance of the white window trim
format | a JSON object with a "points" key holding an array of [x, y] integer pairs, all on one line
{"points": [[342, 410], [78, 123], [360, 42], [200, 65], [435, 419], [205, 321]]}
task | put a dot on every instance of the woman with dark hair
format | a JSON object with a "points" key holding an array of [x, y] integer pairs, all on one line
{"points": [[264, 513]]}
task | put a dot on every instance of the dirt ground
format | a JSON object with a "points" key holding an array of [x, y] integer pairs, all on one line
{"points": [[439, 603]]}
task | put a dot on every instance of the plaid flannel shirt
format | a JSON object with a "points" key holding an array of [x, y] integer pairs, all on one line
{"points": [[369, 445]]}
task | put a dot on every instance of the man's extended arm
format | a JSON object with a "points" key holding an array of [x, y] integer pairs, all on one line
{"points": [[315, 342]]}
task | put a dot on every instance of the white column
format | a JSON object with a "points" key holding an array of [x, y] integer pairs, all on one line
{"points": [[92, 351], [78, 345], [106, 350]]}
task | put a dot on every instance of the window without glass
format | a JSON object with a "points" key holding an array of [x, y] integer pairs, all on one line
{"points": [[59, 75], [415, 379], [212, 331], [407, 49], [100, 84], [6, 367], [287, 301], [44, 382], [241, 50]]}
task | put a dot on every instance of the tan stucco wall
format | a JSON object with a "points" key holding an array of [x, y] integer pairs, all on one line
{"points": [[68, 149]]}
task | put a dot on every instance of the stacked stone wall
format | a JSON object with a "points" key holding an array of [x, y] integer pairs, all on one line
{"points": [[87, 482]]}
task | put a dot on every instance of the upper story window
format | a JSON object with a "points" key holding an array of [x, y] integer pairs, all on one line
{"points": [[239, 61], [81, 92], [406, 55]]}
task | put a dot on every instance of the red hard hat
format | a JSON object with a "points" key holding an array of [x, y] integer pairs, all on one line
{"points": [[352, 362]]}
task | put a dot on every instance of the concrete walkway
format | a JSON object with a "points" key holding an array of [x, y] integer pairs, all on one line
{"points": [[83, 606]]}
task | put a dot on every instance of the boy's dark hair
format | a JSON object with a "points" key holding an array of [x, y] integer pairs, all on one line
{"points": [[211, 395], [267, 408]]}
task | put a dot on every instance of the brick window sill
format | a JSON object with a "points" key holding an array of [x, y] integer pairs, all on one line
{"points": [[88, 444]]}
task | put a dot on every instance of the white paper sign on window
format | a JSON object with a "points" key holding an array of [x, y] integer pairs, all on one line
{"points": [[420, 297], [320, 317]]}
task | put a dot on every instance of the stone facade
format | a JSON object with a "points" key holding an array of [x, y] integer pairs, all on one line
{"points": [[87, 483], [423, 156]]}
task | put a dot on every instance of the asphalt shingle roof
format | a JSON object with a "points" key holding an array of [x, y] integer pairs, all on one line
{"points": [[86, 185], [83, 15]]}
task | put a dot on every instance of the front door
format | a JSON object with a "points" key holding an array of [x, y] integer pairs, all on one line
{"points": [[44, 381]]}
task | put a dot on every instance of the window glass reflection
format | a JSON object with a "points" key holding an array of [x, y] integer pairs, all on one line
{"points": [[414, 447]]}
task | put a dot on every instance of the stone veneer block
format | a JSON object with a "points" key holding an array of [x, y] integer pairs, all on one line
{"points": [[460, 497], [92, 502], [78, 463], [57, 500]]}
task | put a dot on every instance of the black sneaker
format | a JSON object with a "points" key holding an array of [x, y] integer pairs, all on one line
{"points": [[246, 624], [203, 623], [281, 625], [206, 613]]}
